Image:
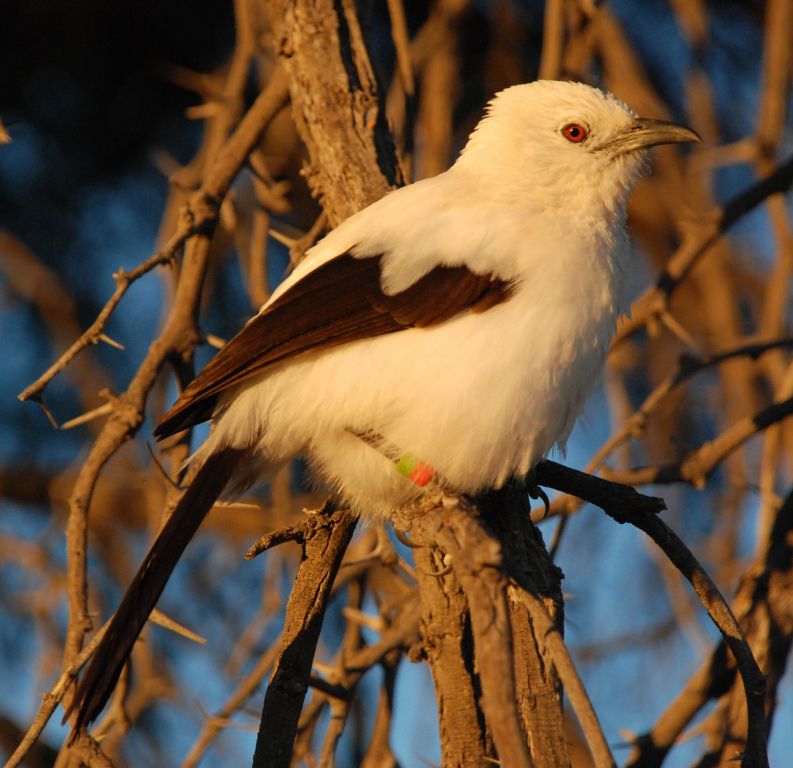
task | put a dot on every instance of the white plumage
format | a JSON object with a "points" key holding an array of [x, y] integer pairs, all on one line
{"points": [[462, 320], [480, 397]]}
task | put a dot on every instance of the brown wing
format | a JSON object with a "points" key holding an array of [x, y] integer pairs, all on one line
{"points": [[339, 302]]}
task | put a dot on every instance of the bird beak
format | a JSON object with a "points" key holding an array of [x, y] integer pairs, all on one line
{"points": [[644, 133]]}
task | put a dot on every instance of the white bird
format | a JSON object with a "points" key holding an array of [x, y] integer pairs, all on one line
{"points": [[452, 329]]}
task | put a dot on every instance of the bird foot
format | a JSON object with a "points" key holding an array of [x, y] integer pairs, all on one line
{"points": [[535, 491]]}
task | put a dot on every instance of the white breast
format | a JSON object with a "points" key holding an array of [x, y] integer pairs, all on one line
{"points": [[479, 398]]}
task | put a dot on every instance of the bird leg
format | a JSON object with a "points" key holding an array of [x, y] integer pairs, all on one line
{"points": [[405, 462]]}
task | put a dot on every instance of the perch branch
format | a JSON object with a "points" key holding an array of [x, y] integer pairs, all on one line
{"points": [[323, 550], [643, 516]]}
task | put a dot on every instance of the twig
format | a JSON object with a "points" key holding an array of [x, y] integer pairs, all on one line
{"points": [[643, 517], [340, 705], [298, 532], [197, 218], [695, 245], [574, 688], [688, 367], [612, 497], [178, 333], [721, 615], [698, 465], [552, 40], [399, 34], [123, 281], [634, 425], [711, 680], [246, 688], [324, 549], [51, 700], [440, 75], [378, 753], [28, 278]]}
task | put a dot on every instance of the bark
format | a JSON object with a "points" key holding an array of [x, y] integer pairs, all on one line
{"points": [[493, 674], [448, 648], [336, 103], [323, 550], [538, 687]]}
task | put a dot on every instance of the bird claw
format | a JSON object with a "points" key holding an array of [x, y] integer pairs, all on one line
{"points": [[447, 569], [535, 491], [405, 540]]}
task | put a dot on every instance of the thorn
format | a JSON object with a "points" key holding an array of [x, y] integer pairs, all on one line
{"points": [[203, 111], [281, 238], [228, 213], [239, 505], [110, 342], [214, 341], [161, 469], [47, 412], [200, 83], [164, 162], [326, 669], [375, 623], [259, 167], [159, 618], [405, 540], [102, 410], [679, 331]]}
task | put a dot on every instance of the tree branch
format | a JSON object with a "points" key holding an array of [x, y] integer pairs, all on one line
{"points": [[656, 300], [323, 550], [642, 515]]}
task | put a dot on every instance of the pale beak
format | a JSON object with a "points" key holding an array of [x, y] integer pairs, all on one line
{"points": [[644, 133]]}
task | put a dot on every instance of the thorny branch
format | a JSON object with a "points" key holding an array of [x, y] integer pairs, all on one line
{"points": [[696, 245], [643, 516], [199, 217], [500, 591], [323, 550]]}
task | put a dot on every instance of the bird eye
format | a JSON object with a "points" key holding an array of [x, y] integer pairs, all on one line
{"points": [[575, 133]]}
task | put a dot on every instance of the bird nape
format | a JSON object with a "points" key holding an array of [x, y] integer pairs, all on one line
{"points": [[463, 320]]}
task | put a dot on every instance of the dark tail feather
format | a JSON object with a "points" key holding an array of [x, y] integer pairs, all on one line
{"points": [[116, 646]]}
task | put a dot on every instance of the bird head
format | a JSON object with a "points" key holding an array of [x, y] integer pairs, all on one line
{"points": [[563, 145]]}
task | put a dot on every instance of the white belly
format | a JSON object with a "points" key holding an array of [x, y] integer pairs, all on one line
{"points": [[479, 398]]}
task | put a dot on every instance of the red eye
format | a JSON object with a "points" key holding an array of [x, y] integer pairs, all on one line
{"points": [[575, 133]]}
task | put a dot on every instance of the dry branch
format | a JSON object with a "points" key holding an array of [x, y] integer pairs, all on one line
{"points": [[446, 644], [700, 464], [643, 516], [323, 550], [696, 244], [574, 688], [51, 700], [475, 558], [500, 588], [336, 104], [178, 334]]}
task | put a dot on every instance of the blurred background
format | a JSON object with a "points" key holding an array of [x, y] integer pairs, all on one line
{"points": [[107, 105]]}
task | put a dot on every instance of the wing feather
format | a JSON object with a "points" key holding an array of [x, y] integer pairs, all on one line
{"points": [[339, 302]]}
